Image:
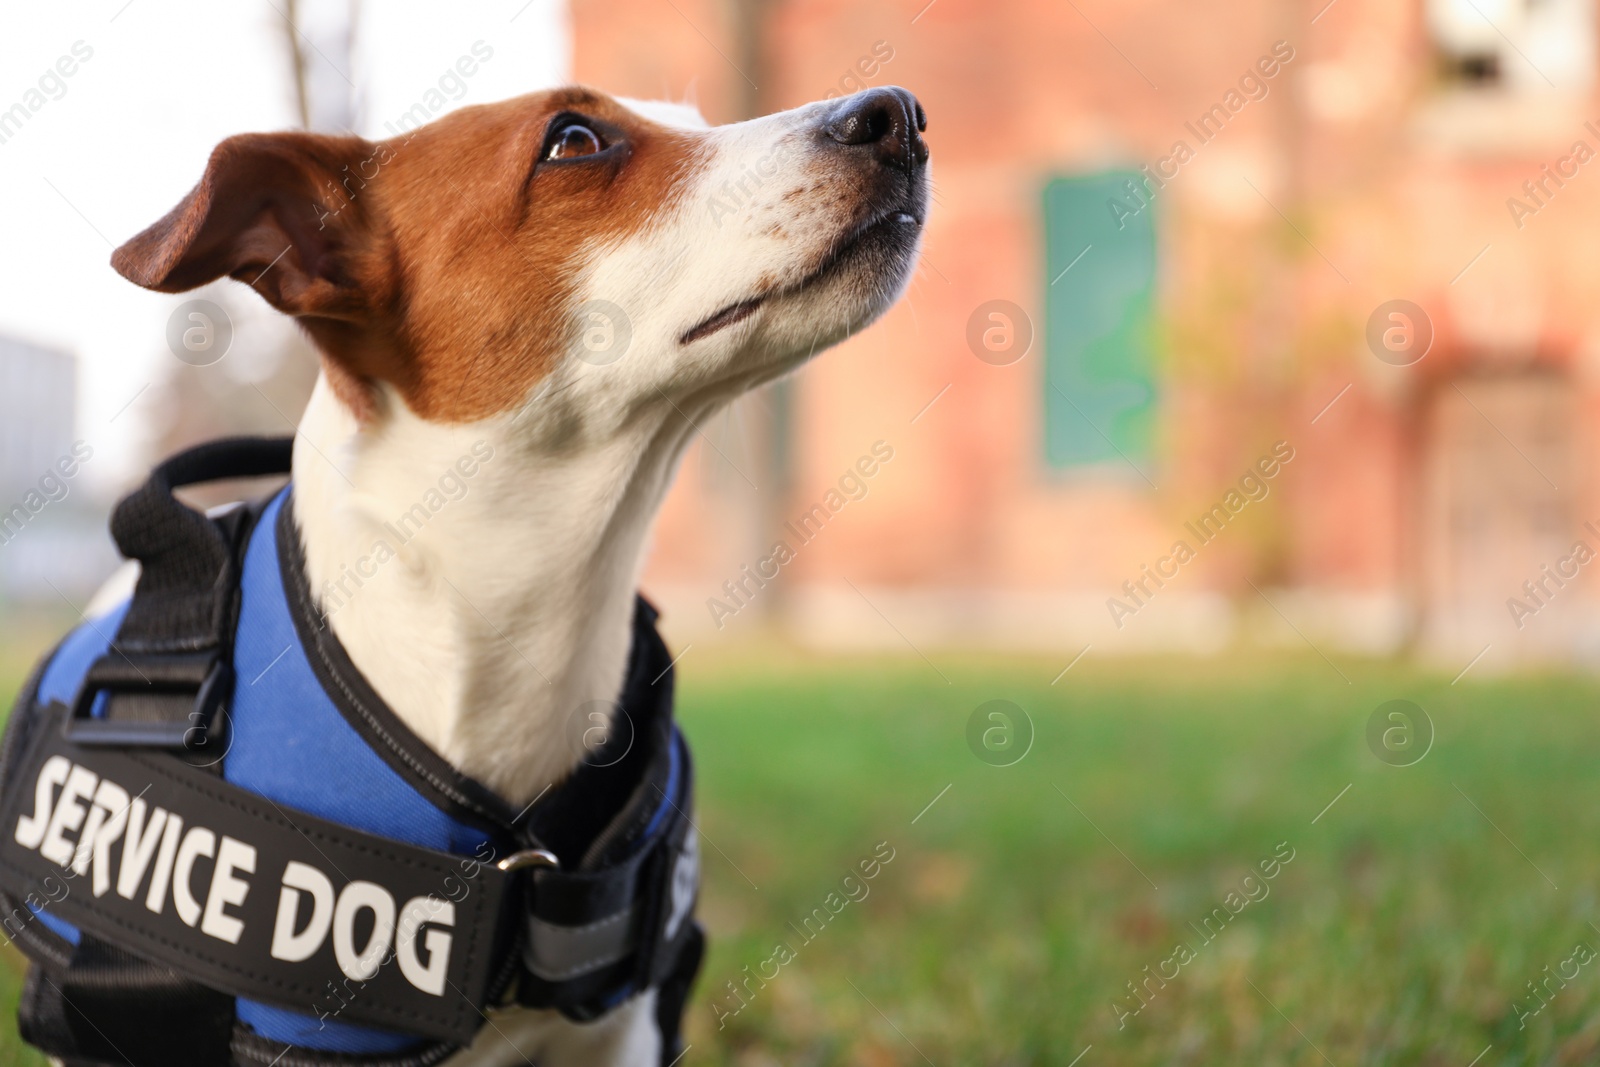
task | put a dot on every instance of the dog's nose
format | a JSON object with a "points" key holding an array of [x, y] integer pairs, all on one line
{"points": [[889, 119]]}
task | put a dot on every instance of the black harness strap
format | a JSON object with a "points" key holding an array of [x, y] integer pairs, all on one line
{"points": [[168, 671], [119, 1008]]}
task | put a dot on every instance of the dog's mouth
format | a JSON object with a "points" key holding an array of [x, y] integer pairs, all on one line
{"points": [[884, 232], [722, 320]]}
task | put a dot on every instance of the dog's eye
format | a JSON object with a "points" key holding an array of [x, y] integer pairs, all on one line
{"points": [[571, 142]]}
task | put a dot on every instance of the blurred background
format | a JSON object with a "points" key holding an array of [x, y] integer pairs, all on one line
{"points": [[1134, 288], [1245, 388]]}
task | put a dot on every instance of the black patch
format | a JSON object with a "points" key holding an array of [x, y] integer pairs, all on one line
{"points": [[317, 985]]}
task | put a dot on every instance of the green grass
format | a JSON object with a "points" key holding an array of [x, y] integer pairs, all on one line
{"points": [[1009, 920], [1400, 933]]}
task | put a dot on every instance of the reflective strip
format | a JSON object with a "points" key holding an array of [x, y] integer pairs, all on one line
{"points": [[556, 953]]}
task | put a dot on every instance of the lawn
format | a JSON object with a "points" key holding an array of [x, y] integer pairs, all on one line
{"points": [[1402, 923]]}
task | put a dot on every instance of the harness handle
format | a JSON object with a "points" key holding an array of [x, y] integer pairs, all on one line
{"points": [[165, 679], [188, 576]]}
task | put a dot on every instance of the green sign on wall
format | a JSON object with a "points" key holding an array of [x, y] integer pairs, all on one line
{"points": [[1100, 270]]}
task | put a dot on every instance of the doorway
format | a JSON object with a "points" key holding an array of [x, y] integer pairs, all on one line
{"points": [[1499, 502]]}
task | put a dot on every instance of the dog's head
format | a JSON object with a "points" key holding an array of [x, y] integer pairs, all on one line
{"points": [[619, 249]]}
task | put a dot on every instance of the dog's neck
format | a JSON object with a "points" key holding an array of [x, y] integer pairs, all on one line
{"points": [[506, 610]]}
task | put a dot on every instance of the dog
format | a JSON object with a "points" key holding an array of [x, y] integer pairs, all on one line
{"points": [[580, 281]]}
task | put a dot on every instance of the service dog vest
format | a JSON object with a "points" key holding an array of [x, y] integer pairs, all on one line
{"points": [[218, 845]]}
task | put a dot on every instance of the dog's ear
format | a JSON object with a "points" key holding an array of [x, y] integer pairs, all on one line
{"points": [[283, 212]]}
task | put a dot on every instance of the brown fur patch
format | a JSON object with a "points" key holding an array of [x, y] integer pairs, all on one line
{"points": [[442, 262], [489, 256]]}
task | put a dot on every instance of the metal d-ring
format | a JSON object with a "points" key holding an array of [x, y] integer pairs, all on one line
{"points": [[533, 857]]}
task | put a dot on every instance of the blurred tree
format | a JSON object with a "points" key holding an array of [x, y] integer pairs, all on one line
{"points": [[262, 383], [319, 39], [757, 430]]}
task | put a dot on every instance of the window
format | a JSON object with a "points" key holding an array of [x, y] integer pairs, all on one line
{"points": [[1100, 266], [1515, 44]]}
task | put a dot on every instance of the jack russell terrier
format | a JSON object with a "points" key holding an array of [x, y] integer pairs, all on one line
{"points": [[452, 281]]}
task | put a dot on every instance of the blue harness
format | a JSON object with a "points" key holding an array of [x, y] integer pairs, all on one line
{"points": [[577, 904]]}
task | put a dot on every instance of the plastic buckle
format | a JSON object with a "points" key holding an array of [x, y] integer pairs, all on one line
{"points": [[207, 675]]}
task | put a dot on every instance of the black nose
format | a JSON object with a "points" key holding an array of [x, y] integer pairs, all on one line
{"points": [[888, 119]]}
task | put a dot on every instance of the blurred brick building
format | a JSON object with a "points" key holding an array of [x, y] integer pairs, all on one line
{"points": [[1173, 233]]}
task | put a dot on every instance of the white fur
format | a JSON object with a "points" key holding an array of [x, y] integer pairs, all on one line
{"points": [[509, 611], [683, 116]]}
